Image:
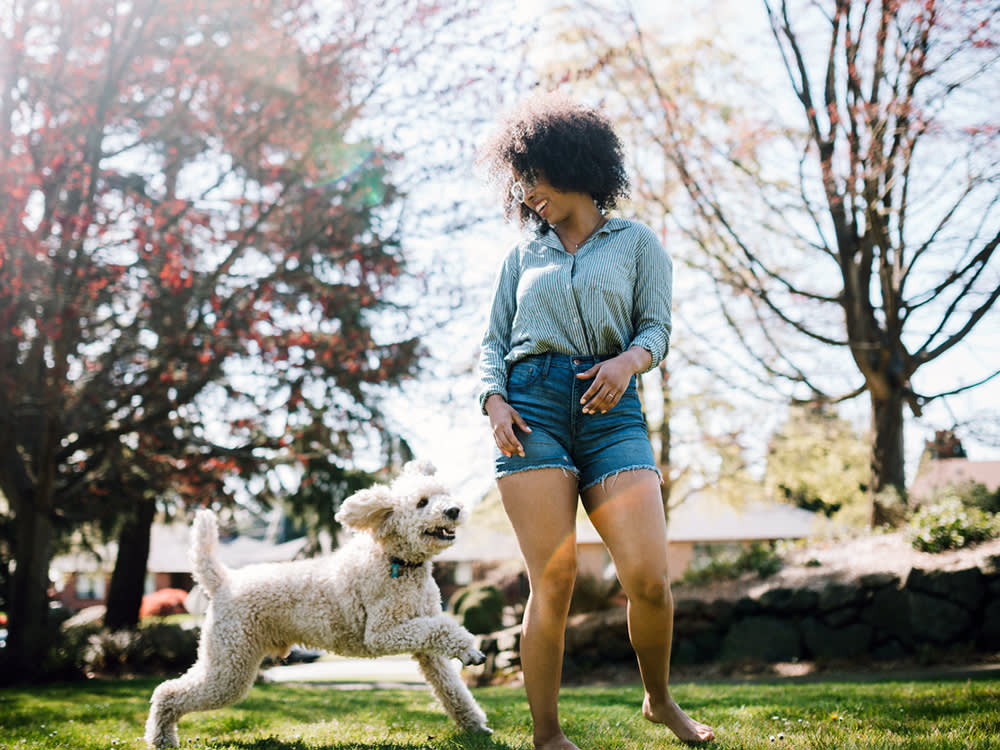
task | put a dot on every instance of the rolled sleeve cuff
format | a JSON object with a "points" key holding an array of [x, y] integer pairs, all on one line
{"points": [[487, 393], [654, 342]]}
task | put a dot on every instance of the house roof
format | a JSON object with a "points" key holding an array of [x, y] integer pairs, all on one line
{"points": [[708, 521], [704, 520], [488, 536], [482, 545], [168, 552], [941, 472]]}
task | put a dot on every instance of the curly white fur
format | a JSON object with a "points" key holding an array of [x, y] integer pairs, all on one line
{"points": [[373, 596]]}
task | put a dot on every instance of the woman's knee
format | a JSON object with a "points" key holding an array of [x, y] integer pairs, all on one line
{"points": [[649, 588], [555, 582]]}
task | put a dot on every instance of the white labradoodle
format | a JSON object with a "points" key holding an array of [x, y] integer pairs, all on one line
{"points": [[373, 596]]}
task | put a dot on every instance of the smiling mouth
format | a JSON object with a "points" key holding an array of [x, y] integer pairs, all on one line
{"points": [[444, 533], [540, 208]]}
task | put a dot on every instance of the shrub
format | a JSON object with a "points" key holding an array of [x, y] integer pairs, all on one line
{"points": [[151, 649], [65, 658], [167, 646], [594, 594], [977, 495], [108, 652], [759, 558], [950, 524], [163, 602], [762, 559], [479, 608]]}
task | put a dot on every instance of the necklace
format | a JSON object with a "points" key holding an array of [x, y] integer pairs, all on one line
{"points": [[600, 223]]}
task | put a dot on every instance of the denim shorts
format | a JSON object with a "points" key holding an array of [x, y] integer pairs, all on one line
{"points": [[546, 393]]}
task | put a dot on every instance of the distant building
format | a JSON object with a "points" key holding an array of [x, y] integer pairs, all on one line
{"points": [[697, 528], [945, 463], [944, 445], [81, 579], [700, 527]]}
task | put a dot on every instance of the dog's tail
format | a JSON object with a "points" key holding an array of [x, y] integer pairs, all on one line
{"points": [[208, 569]]}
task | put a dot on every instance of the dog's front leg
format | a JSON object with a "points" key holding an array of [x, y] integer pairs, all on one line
{"points": [[439, 635], [451, 692]]}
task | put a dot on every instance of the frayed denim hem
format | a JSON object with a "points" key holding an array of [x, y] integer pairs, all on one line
{"points": [[566, 470], [616, 472]]}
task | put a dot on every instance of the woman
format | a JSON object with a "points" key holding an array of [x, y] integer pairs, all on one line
{"points": [[579, 310]]}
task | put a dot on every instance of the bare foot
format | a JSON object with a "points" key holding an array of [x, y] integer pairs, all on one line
{"points": [[559, 742], [678, 722]]}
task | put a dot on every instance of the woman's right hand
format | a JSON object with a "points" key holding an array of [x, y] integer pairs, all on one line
{"points": [[503, 419]]}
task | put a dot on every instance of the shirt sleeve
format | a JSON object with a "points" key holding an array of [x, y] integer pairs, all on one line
{"points": [[652, 298], [496, 341]]}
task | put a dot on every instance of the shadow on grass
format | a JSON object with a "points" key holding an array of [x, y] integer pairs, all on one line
{"points": [[307, 704], [931, 701], [468, 740]]}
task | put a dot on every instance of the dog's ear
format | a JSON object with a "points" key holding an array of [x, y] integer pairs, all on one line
{"points": [[366, 509]]}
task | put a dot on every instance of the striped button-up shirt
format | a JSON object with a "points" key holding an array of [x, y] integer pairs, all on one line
{"points": [[614, 293]]}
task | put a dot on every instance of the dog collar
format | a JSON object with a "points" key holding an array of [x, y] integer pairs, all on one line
{"points": [[397, 565]]}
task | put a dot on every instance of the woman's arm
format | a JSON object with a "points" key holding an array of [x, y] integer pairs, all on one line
{"points": [[652, 298], [496, 340]]}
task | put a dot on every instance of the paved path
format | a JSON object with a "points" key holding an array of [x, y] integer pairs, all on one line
{"points": [[401, 671], [397, 670]]}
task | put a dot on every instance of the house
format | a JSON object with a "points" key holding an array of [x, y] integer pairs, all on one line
{"points": [[701, 526], [943, 472], [486, 545], [945, 463], [80, 579], [696, 527]]}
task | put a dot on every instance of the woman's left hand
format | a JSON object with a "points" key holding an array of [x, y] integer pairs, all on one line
{"points": [[611, 378]]}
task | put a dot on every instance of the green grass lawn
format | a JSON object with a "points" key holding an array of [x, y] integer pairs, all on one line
{"points": [[944, 714]]}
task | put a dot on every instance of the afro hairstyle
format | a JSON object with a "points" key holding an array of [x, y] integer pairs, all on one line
{"points": [[573, 147]]}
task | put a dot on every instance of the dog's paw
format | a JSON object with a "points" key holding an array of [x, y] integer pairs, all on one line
{"points": [[473, 656], [479, 729]]}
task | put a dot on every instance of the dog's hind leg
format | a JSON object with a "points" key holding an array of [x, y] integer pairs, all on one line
{"points": [[201, 688], [451, 692]]}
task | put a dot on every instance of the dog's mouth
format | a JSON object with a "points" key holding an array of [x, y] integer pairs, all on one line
{"points": [[444, 533]]}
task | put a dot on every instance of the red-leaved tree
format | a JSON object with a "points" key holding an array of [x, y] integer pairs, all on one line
{"points": [[195, 252]]}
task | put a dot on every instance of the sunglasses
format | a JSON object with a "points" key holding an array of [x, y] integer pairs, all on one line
{"points": [[521, 188]]}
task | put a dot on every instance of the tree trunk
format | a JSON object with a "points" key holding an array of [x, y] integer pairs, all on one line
{"points": [[887, 454], [129, 577], [664, 458], [28, 615]]}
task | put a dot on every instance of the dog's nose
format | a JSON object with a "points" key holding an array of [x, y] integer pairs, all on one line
{"points": [[453, 512]]}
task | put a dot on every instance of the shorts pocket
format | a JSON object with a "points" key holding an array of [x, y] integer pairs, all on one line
{"points": [[524, 374]]}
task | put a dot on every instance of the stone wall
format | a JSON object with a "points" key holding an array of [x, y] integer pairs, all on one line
{"points": [[877, 616]]}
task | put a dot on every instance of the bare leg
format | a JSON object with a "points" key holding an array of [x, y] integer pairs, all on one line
{"points": [[541, 505], [628, 513]]}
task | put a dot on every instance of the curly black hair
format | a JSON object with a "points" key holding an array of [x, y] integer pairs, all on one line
{"points": [[573, 147]]}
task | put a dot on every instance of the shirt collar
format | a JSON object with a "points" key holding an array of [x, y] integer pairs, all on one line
{"points": [[551, 239]]}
